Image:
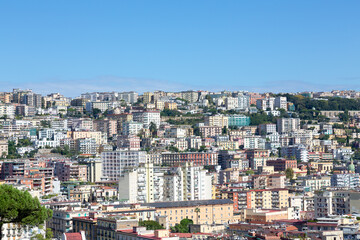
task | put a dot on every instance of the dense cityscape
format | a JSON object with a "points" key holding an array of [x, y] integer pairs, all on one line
{"points": [[180, 165]]}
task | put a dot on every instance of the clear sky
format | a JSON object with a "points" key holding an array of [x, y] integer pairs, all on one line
{"points": [[78, 46]]}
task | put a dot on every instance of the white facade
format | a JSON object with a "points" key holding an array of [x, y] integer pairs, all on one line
{"points": [[243, 102], [115, 162], [142, 185], [231, 103], [7, 110], [187, 183], [131, 128], [151, 117], [281, 102], [288, 124]]}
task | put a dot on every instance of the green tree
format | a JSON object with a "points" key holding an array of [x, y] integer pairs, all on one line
{"points": [[202, 148], [153, 129], [249, 172], [48, 235], [183, 227], [224, 130], [170, 113], [289, 172], [150, 225], [96, 112], [20, 207]]}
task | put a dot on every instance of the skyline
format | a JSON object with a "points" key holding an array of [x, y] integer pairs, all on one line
{"points": [[87, 46]]}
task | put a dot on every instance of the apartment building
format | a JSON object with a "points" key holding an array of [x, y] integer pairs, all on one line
{"points": [[142, 184], [329, 203], [131, 128], [267, 198], [115, 162], [187, 182], [238, 120], [197, 158], [217, 121], [269, 181], [171, 105], [280, 103], [107, 126], [345, 180], [285, 125], [128, 142], [281, 165], [215, 211], [210, 131], [85, 134]]}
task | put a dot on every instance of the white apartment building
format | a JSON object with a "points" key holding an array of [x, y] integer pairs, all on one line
{"points": [[217, 121], [194, 142], [114, 163], [254, 142], [7, 110], [190, 96], [102, 106], [47, 133], [151, 117], [187, 183], [243, 102], [86, 145], [131, 128], [267, 128], [60, 124], [266, 103], [231, 103], [142, 184], [175, 132], [288, 124], [281, 102]]}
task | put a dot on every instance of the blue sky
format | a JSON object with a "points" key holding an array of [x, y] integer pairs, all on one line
{"points": [[79, 46]]}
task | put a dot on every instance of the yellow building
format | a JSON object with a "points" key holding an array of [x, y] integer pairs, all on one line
{"points": [[217, 121], [85, 134], [218, 211], [171, 105], [267, 198], [159, 105], [325, 167], [148, 97]]}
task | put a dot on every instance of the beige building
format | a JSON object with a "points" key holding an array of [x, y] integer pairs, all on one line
{"points": [[4, 148], [85, 134], [267, 215], [148, 97], [171, 105], [267, 198], [159, 105], [215, 211], [217, 120]]}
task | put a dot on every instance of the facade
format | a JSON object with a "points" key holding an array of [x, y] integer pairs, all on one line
{"points": [[282, 164], [131, 128], [280, 103], [210, 131], [187, 183], [238, 121], [198, 159], [345, 180], [285, 125], [114, 163], [329, 203], [217, 121], [216, 211], [143, 184]]}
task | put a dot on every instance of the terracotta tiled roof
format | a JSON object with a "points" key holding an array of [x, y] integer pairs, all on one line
{"points": [[73, 236]]}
